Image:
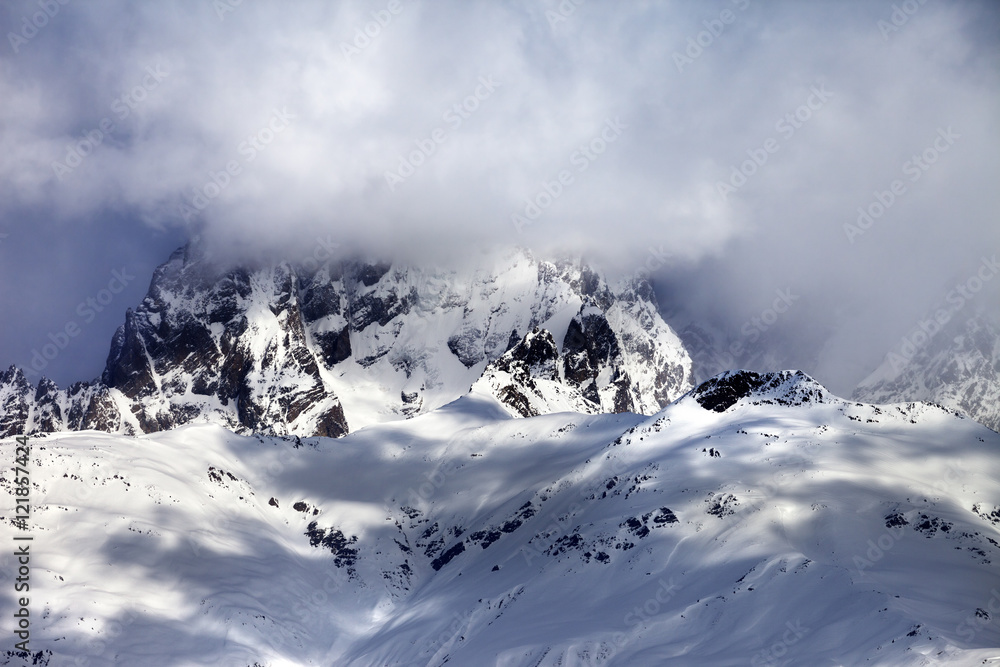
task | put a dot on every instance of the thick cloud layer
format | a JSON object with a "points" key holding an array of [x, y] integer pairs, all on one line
{"points": [[726, 145]]}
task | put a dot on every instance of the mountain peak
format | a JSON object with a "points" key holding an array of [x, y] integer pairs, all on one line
{"points": [[783, 387], [335, 345]]}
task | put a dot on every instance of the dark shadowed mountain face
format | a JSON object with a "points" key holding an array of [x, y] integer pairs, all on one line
{"points": [[322, 351]]}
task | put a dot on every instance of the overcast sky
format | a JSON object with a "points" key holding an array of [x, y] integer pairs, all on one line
{"points": [[421, 127]]}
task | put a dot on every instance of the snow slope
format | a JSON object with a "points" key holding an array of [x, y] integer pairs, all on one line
{"points": [[756, 520]]}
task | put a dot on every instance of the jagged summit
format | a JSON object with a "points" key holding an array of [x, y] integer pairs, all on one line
{"points": [[783, 388], [324, 348], [590, 373], [328, 347]]}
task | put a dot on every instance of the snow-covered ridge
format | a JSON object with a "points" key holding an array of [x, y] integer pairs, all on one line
{"points": [[783, 388], [332, 348], [771, 532]]}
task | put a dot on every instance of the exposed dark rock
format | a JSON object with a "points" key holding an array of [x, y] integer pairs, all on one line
{"points": [[722, 392], [635, 526], [202, 346], [15, 391], [49, 414], [335, 345], [447, 556], [467, 346], [339, 545], [370, 274], [721, 504], [661, 517], [929, 526], [783, 388], [590, 344], [485, 537]]}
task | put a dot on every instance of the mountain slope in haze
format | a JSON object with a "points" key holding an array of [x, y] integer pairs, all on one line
{"points": [[951, 358], [337, 346], [756, 520], [956, 365]]}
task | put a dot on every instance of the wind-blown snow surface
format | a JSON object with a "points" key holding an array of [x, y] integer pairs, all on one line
{"points": [[757, 520]]}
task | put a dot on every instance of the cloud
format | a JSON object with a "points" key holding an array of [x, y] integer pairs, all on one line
{"points": [[429, 127]]}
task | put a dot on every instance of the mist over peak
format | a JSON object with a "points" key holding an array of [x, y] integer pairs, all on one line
{"points": [[728, 150]]}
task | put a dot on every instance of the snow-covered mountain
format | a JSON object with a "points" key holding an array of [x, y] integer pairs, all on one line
{"points": [[331, 348], [951, 358], [756, 520], [956, 364]]}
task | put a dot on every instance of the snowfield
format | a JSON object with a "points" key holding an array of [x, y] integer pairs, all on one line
{"points": [[757, 520]]}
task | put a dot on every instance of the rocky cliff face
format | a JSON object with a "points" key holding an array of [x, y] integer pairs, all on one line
{"points": [[609, 361], [322, 351]]}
